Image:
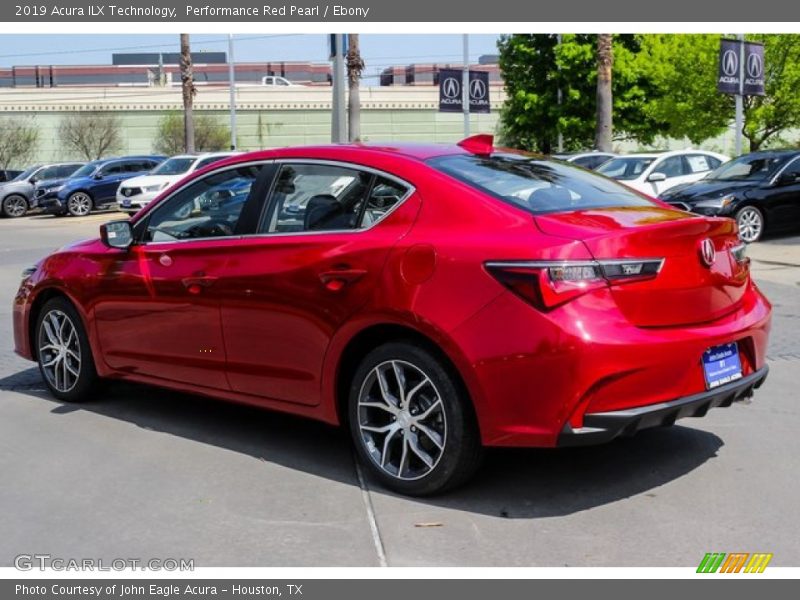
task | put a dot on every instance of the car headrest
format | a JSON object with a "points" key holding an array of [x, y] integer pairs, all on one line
{"points": [[550, 198], [322, 212]]}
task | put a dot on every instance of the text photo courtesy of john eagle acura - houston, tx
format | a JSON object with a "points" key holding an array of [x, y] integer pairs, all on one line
{"points": [[299, 299]]}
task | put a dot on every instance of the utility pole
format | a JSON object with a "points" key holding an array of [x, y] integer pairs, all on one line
{"points": [[465, 86], [188, 89], [338, 118], [232, 85], [740, 97]]}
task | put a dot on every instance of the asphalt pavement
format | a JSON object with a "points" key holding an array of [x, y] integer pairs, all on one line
{"points": [[146, 473]]}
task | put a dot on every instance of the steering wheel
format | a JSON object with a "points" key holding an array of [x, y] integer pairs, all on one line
{"points": [[211, 228]]}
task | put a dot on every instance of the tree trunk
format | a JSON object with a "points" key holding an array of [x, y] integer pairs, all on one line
{"points": [[187, 86], [605, 61], [355, 65]]}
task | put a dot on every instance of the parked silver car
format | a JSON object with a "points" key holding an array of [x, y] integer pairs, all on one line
{"points": [[17, 197]]}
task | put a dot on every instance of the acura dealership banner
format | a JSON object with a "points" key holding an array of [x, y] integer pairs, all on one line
{"points": [[451, 95], [736, 62]]}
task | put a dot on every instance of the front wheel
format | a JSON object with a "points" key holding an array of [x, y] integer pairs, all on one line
{"points": [[751, 224], [63, 352], [411, 422], [14, 206], [79, 204]]}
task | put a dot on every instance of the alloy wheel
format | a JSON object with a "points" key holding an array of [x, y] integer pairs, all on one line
{"points": [[401, 420], [59, 351], [15, 206], [750, 223], [79, 204]]}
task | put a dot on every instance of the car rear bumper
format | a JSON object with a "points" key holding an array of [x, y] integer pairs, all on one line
{"points": [[605, 426]]}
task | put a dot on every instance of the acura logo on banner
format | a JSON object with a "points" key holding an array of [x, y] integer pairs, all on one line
{"points": [[450, 95], [751, 66]]}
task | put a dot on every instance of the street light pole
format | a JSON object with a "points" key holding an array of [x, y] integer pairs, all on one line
{"points": [[232, 85], [740, 97], [465, 86]]}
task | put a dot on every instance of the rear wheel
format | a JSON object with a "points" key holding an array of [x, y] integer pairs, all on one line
{"points": [[751, 224], [63, 352], [79, 204], [411, 422], [14, 206]]}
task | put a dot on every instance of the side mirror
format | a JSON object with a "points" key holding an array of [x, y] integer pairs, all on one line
{"points": [[97, 176], [654, 177], [117, 234]]}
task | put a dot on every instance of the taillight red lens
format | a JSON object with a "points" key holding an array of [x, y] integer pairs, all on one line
{"points": [[547, 285]]}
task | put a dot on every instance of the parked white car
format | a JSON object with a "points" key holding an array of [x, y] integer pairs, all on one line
{"points": [[135, 193], [654, 173]]}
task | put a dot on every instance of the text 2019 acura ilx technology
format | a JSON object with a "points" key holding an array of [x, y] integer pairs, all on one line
{"points": [[434, 299]]}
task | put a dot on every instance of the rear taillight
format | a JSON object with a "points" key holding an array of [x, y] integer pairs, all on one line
{"points": [[547, 284]]}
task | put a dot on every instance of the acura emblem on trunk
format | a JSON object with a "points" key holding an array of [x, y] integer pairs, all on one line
{"points": [[707, 252]]}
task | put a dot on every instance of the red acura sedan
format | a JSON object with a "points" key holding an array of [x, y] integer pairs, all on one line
{"points": [[435, 299]]}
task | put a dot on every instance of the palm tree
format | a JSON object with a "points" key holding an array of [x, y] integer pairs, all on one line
{"points": [[605, 62], [187, 86], [355, 65]]}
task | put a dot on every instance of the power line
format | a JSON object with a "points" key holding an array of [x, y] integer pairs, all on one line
{"points": [[147, 46]]}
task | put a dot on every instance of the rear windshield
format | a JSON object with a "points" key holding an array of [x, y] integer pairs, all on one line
{"points": [[538, 186]]}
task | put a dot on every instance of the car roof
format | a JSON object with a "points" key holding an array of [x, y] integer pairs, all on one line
{"points": [[774, 152], [416, 151], [660, 154]]}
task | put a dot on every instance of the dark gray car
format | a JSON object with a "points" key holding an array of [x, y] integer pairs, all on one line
{"points": [[16, 196]]}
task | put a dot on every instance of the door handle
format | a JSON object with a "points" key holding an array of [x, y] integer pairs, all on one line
{"points": [[197, 284], [337, 279]]}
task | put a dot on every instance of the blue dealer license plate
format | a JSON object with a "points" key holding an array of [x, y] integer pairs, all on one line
{"points": [[721, 365]]}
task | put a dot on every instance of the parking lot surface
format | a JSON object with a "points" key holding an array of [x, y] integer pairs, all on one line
{"points": [[145, 473]]}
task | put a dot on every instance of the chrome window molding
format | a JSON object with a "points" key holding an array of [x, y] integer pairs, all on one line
{"points": [[353, 166], [782, 169]]}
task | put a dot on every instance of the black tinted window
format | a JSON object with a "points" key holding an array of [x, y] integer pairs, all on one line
{"points": [[538, 185], [313, 197], [210, 207]]}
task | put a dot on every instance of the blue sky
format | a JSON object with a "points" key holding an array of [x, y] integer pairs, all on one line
{"points": [[379, 50]]}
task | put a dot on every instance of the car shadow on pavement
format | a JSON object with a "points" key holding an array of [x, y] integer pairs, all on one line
{"points": [[512, 483]]}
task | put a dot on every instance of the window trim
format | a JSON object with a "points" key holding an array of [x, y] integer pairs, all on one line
{"points": [[266, 205], [332, 163], [143, 223], [788, 164]]}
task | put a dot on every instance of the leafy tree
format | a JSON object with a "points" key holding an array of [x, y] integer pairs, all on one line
{"points": [[19, 138], [535, 66], [92, 135], [209, 134], [768, 117], [686, 67]]}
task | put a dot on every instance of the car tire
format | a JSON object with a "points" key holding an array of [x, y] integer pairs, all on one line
{"points": [[411, 421], [63, 352], [79, 204], [751, 224], [14, 206]]}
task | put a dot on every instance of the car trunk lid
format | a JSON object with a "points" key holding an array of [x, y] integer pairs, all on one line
{"points": [[690, 287]]}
